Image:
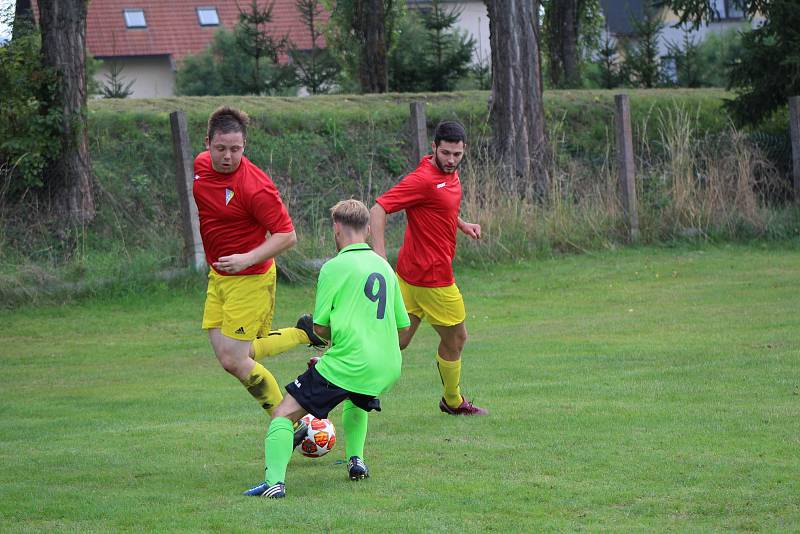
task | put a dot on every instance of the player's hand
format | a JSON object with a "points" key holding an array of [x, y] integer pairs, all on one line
{"points": [[232, 264], [472, 230]]}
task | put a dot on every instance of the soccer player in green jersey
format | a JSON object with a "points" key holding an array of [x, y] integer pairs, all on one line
{"points": [[358, 307]]}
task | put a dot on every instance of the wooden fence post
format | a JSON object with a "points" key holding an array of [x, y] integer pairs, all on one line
{"points": [[419, 131], [184, 175], [794, 127], [625, 164]]}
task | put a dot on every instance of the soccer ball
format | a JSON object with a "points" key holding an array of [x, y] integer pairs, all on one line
{"points": [[320, 438]]}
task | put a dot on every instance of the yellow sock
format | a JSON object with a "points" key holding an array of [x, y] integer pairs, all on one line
{"points": [[263, 387], [450, 372], [278, 341]]}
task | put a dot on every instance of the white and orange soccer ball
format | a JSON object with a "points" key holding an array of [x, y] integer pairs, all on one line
{"points": [[320, 437]]}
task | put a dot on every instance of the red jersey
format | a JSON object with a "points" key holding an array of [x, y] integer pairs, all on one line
{"points": [[237, 210], [432, 200]]}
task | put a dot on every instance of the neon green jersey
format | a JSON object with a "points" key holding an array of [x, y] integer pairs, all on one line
{"points": [[359, 299]]}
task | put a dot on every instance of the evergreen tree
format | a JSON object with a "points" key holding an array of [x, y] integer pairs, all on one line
{"points": [[435, 55], [316, 69], [687, 60], [607, 59], [642, 66], [266, 74]]}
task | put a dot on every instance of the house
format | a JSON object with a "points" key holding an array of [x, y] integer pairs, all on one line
{"points": [[148, 38], [621, 14], [473, 19]]}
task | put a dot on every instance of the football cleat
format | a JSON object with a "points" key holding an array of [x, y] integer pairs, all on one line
{"points": [[276, 491], [306, 324], [300, 431], [465, 408], [357, 469]]}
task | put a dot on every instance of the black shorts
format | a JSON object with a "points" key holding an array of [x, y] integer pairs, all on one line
{"points": [[318, 396]]}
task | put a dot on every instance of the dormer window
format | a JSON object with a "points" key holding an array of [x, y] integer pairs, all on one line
{"points": [[134, 18], [207, 16]]}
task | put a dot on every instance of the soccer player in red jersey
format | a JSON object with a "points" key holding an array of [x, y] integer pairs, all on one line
{"points": [[431, 198], [244, 226]]}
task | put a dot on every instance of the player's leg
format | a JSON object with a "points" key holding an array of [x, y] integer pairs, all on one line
{"points": [[233, 314], [278, 446], [448, 360], [274, 342], [354, 421], [233, 356], [444, 307]]}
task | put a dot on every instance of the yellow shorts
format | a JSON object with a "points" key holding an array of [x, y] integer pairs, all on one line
{"points": [[241, 306], [443, 306]]}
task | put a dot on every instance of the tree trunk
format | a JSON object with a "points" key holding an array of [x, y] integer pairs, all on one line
{"points": [[68, 175], [516, 112], [23, 18], [564, 18], [373, 71]]}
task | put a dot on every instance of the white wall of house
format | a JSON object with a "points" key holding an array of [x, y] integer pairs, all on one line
{"points": [[152, 76], [475, 21]]}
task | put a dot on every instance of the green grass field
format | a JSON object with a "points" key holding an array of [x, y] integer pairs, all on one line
{"points": [[637, 390]]}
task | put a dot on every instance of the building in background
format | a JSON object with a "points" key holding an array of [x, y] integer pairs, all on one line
{"points": [[148, 39]]}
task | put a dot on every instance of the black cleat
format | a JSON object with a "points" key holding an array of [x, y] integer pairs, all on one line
{"points": [[306, 324], [300, 431], [357, 469]]}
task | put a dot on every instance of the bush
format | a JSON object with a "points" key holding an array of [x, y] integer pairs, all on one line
{"points": [[29, 126]]}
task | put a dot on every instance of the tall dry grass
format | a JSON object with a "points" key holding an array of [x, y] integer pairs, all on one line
{"points": [[689, 185]]}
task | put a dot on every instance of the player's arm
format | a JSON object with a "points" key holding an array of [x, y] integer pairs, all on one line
{"points": [[377, 225], [471, 229], [274, 245]]}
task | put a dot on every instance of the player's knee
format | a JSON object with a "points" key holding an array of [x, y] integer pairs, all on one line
{"points": [[457, 341], [229, 362]]}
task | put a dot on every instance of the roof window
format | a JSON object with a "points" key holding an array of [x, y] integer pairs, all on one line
{"points": [[207, 16], [134, 18]]}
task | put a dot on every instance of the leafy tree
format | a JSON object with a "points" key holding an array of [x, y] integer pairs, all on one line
{"points": [[408, 71], [361, 35], [316, 69], [571, 29], [768, 71], [642, 66], [434, 55], [717, 53], [29, 120], [225, 69]]}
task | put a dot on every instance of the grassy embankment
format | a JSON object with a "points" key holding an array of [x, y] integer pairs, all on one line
{"points": [[697, 179]]}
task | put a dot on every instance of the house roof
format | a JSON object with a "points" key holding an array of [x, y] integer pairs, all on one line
{"points": [[173, 27]]}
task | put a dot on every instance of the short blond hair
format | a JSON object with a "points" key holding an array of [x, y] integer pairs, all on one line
{"points": [[352, 213]]}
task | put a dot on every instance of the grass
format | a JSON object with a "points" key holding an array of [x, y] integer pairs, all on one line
{"points": [[641, 390]]}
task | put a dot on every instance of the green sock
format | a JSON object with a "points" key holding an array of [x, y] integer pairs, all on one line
{"points": [[354, 421], [278, 449]]}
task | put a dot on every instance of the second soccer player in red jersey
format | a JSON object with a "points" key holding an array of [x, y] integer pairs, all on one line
{"points": [[431, 198]]}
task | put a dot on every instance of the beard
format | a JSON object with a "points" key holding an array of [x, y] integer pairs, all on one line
{"points": [[443, 164]]}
